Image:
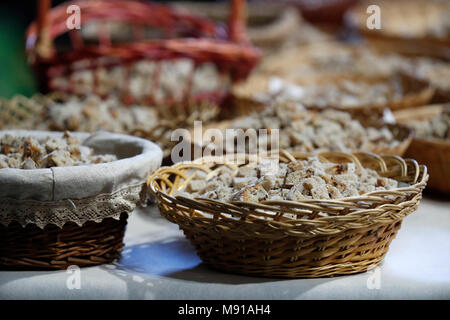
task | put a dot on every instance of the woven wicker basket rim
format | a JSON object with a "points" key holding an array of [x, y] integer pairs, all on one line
{"points": [[210, 40], [444, 143], [419, 181], [217, 48]]}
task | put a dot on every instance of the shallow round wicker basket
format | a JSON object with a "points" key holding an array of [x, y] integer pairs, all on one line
{"points": [[328, 237], [434, 153], [52, 218], [155, 34]]}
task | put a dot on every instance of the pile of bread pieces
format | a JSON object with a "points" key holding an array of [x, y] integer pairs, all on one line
{"points": [[294, 181], [27, 152]]}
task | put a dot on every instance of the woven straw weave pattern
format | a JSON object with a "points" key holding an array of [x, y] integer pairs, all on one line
{"points": [[58, 248]]}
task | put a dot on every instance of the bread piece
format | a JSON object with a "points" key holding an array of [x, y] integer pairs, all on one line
{"points": [[248, 170], [196, 185], [241, 182], [297, 193], [253, 193], [316, 188]]}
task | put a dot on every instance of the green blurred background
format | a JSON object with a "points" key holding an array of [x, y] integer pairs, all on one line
{"points": [[15, 74]]}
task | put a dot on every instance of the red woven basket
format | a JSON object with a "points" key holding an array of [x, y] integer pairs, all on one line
{"points": [[182, 36]]}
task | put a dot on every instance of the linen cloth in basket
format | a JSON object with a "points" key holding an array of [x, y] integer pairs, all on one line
{"points": [[82, 193]]}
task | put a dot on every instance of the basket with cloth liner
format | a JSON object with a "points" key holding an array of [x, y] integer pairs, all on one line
{"points": [[51, 218], [164, 41], [292, 239]]}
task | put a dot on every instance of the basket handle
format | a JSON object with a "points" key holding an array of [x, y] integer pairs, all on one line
{"points": [[236, 25], [237, 21], [43, 41]]}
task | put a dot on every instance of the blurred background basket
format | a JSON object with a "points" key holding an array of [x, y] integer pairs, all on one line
{"points": [[31, 248], [404, 91], [408, 27], [34, 113], [328, 237], [161, 39], [401, 133], [271, 25], [433, 152]]}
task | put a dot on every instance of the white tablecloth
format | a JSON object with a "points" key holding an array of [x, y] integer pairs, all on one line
{"points": [[158, 263]]}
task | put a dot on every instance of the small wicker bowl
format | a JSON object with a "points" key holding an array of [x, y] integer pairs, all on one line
{"points": [[328, 237], [434, 153]]}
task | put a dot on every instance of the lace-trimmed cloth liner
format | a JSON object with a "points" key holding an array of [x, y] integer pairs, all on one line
{"points": [[83, 193]]}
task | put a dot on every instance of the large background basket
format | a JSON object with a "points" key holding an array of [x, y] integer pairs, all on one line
{"points": [[173, 36], [32, 113], [419, 40], [327, 237], [271, 25], [401, 133], [413, 90]]}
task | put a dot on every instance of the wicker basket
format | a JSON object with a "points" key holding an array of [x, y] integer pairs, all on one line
{"points": [[54, 218], [179, 37], [434, 153], [400, 132], [415, 91], [270, 25], [411, 41], [328, 237], [57, 248], [21, 112]]}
